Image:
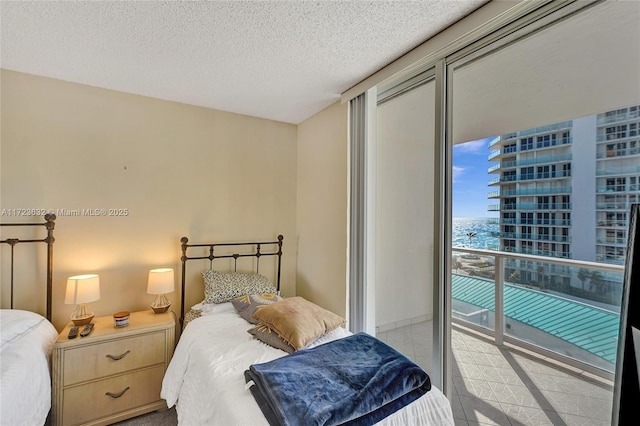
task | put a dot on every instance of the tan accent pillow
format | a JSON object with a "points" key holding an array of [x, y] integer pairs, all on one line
{"points": [[297, 320]]}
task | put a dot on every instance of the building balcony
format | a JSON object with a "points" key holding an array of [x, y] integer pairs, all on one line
{"points": [[612, 241], [531, 177], [548, 222], [554, 159], [530, 191], [517, 149], [617, 188], [538, 130], [530, 206], [531, 237], [613, 206], [623, 115], [616, 153], [618, 171]]}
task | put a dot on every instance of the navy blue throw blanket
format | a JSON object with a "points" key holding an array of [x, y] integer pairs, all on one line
{"points": [[357, 380]]}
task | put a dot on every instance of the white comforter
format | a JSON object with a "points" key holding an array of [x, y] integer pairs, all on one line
{"points": [[25, 383], [205, 379]]}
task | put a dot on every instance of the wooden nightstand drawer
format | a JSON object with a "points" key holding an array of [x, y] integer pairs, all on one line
{"points": [[128, 362], [103, 359], [90, 401]]}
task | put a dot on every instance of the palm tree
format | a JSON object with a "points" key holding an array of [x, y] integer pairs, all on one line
{"points": [[540, 271], [583, 276], [597, 282], [471, 236]]}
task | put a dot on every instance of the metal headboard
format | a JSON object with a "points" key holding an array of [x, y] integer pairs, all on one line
{"points": [[257, 253], [49, 240]]}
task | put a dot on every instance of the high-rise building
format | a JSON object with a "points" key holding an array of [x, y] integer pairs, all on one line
{"points": [[618, 180], [565, 190]]}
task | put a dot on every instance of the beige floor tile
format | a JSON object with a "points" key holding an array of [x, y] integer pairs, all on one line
{"points": [[497, 386], [529, 415], [485, 412]]}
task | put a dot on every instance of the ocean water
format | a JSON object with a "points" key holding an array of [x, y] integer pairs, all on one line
{"points": [[462, 226]]}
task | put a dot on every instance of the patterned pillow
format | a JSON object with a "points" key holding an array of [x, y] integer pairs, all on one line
{"points": [[190, 316], [246, 305], [266, 335], [220, 287]]}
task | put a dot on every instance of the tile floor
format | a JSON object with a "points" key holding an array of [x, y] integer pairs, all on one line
{"points": [[495, 385]]}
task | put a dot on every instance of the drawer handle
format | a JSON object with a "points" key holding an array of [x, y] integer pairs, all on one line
{"points": [[119, 394], [117, 357]]}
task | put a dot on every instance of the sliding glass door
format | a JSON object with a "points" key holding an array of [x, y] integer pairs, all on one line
{"points": [[404, 239]]}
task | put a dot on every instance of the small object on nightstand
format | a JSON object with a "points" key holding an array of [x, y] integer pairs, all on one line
{"points": [[121, 319], [73, 333], [86, 330]]}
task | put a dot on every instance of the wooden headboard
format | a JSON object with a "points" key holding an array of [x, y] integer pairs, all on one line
{"points": [[254, 248], [49, 224]]}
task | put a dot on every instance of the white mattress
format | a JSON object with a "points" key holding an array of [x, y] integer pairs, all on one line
{"points": [[205, 379], [25, 382]]}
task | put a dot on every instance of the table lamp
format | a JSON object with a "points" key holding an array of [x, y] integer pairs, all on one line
{"points": [[161, 281], [82, 289]]}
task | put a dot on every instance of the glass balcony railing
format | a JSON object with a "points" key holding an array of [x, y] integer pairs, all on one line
{"points": [[516, 149], [530, 191], [566, 309], [530, 206], [532, 237], [612, 153], [618, 171], [514, 221], [530, 161]]}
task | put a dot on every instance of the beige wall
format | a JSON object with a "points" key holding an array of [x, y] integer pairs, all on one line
{"points": [[322, 209], [178, 169]]}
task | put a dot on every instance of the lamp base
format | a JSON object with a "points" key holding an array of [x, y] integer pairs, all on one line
{"points": [[82, 315], [82, 321], [161, 304], [160, 309]]}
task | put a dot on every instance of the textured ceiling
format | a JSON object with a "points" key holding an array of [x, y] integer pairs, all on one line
{"points": [[279, 60]]}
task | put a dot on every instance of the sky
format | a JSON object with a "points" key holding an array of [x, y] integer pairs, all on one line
{"points": [[471, 179]]}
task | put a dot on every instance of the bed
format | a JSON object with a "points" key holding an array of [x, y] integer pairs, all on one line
{"points": [[26, 342], [208, 377]]}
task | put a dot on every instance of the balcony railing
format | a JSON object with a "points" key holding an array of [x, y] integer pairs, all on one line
{"points": [[532, 176], [514, 221], [618, 171], [613, 153], [516, 149], [531, 161], [530, 191], [530, 206], [561, 308], [623, 115], [531, 237]]}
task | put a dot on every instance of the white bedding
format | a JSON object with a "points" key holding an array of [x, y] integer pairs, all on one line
{"points": [[25, 383], [205, 379]]}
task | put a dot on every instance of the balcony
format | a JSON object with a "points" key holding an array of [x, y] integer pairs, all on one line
{"points": [[513, 221], [531, 177], [505, 384], [572, 319], [530, 191], [530, 206], [613, 153], [618, 171], [531, 237], [522, 354], [532, 161], [512, 150]]}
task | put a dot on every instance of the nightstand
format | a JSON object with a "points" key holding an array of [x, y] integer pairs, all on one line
{"points": [[113, 373]]}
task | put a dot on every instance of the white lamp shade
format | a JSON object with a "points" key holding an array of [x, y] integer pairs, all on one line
{"points": [[161, 281], [82, 289]]}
